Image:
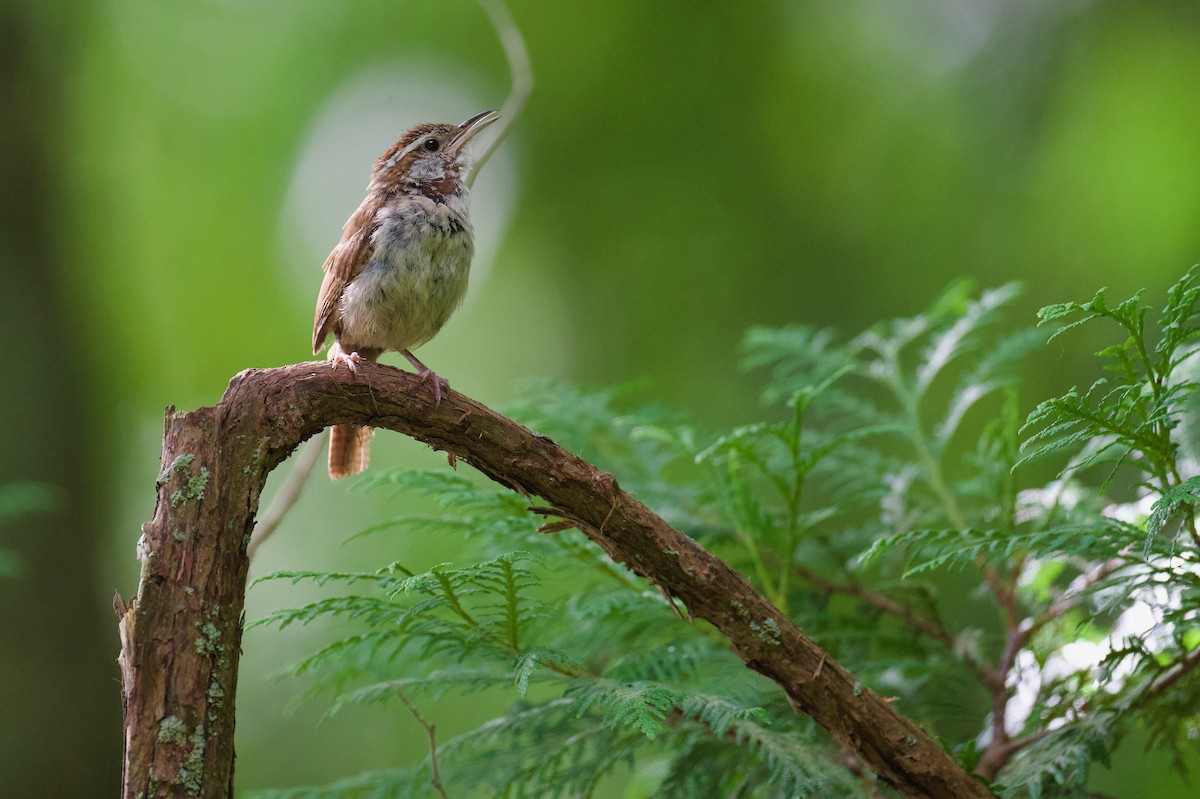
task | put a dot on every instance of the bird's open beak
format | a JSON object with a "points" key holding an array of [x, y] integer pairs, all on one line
{"points": [[468, 129]]}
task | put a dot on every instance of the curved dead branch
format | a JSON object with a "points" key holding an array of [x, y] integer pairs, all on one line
{"points": [[181, 635]]}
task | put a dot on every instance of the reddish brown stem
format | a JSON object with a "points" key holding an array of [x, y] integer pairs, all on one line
{"points": [[924, 625], [1173, 674], [181, 635], [1001, 747], [431, 732]]}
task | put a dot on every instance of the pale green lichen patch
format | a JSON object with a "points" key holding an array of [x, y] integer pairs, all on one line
{"points": [[192, 489], [172, 730], [255, 460], [208, 642], [194, 485], [216, 694], [216, 698], [181, 463], [191, 771], [766, 631], [178, 534]]}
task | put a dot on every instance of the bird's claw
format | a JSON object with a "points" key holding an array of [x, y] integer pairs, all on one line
{"points": [[439, 383], [337, 355]]}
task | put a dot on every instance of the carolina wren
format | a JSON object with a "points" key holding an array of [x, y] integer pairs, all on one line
{"points": [[401, 267]]}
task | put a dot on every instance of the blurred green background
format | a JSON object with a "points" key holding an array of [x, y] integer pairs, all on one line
{"points": [[174, 175]]}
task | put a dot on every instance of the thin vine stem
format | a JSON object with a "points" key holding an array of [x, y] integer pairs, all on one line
{"points": [[520, 72], [431, 732]]}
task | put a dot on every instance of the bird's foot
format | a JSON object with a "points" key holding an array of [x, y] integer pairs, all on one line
{"points": [[440, 384], [426, 374], [337, 355]]}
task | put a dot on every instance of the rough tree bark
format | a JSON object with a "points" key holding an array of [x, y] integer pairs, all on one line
{"points": [[181, 635]]}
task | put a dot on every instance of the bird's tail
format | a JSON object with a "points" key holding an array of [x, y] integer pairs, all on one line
{"points": [[349, 449]]}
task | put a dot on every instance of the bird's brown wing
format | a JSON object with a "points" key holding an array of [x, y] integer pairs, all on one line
{"points": [[343, 265]]}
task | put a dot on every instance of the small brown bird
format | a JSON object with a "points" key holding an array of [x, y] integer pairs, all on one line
{"points": [[401, 267]]}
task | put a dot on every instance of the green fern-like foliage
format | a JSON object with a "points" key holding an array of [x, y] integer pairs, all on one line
{"points": [[614, 672], [892, 499]]}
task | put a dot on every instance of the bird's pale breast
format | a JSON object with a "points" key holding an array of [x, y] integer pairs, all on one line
{"points": [[416, 277]]}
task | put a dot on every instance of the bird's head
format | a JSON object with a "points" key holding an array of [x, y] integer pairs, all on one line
{"points": [[431, 158]]}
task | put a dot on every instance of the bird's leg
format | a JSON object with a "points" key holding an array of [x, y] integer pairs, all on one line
{"points": [[427, 374], [338, 355]]}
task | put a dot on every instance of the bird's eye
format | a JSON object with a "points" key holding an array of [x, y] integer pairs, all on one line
{"points": [[432, 145]]}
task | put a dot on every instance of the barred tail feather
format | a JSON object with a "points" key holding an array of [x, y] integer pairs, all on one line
{"points": [[349, 449]]}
